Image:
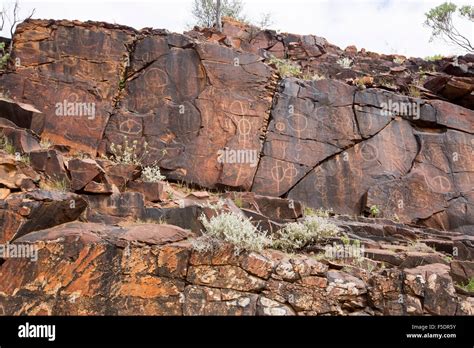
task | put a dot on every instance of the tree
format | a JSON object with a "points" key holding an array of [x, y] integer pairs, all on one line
{"points": [[440, 20], [208, 12]]}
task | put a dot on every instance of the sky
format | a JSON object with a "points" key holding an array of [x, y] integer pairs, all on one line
{"points": [[383, 26]]}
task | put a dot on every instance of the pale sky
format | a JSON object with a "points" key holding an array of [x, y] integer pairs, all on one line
{"points": [[383, 26]]}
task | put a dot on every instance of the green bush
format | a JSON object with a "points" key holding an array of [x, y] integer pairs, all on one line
{"points": [[285, 67]]}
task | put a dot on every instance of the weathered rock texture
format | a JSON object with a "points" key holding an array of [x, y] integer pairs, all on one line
{"points": [[148, 269], [211, 111], [325, 143]]}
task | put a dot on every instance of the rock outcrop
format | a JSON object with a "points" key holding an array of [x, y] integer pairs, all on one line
{"points": [[213, 112]]}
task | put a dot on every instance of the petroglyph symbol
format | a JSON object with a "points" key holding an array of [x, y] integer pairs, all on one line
{"points": [[145, 56], [368, 152], [279, 173], [228, 125], [280, 126], [88, 41], [244, 128], [298, 122], [298, 149], [130, 126], [238, 108], [439, 184], [156, 80]]}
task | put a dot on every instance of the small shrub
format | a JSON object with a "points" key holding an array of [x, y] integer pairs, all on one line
{"points": [[311, 230], [434, 58], [285, 67], [234, 229], [127, 153], [318, 212], [25, 159], [45, 143], [363, 82], [313, 77], [374, 211], [469, 286], [414, 91], [345, 62], [152, 174], [4, 56], [6, 145], [214, 206], [399, 60], [238, 202], [60, 185]]}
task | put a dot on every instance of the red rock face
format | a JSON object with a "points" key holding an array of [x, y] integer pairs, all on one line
{"points": [[149, 269], [191, 102], [202, 112], [69, 64]]}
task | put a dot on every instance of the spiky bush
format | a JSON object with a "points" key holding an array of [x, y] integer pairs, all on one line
{"points": [[312, 230], [232, 228], [128, 153], [345, 62], [152, 174]]}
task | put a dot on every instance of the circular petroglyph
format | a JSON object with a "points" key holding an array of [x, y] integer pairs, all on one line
{"points": [[280, 126], [368, 152], [238, 108], [297, 122], [156, 79]]}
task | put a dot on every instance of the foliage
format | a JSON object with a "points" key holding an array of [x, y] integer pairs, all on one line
{"points": [[152, 174], [232, 228], [469, 286], [434, 58], [239, 202], [440, 20], [374, 211], [414, 91], [285, 67], [399, 60], [6, 145], [128, 153], [297, 235], [318, 212], [45, 143], [205, 11], [345, 62], [4, 56], [60, 185]]}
